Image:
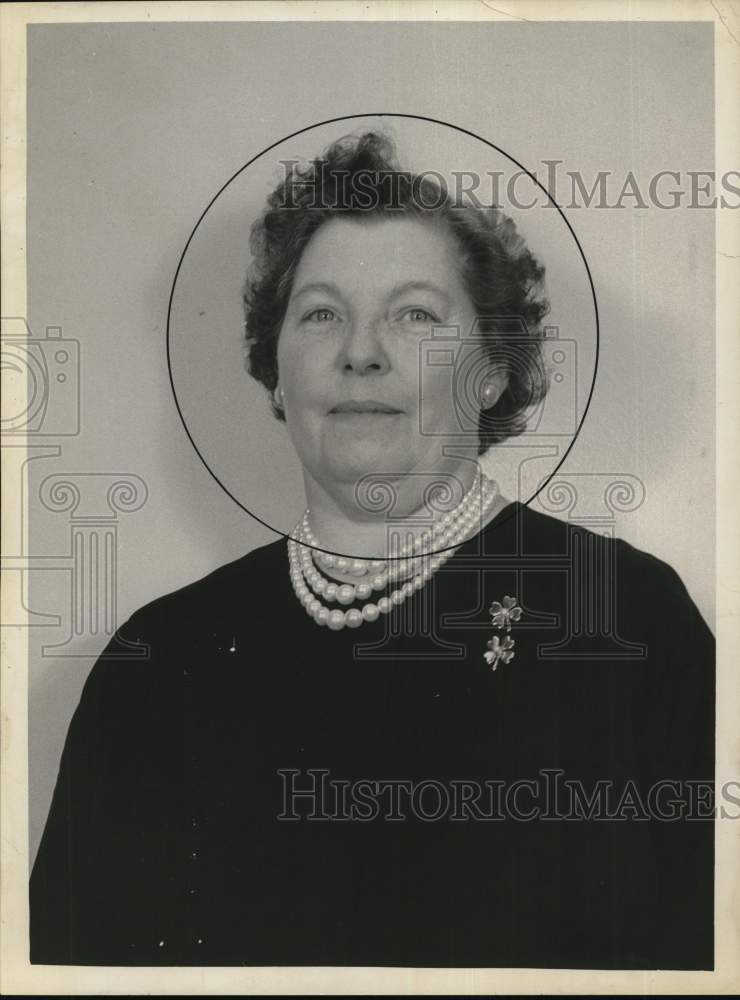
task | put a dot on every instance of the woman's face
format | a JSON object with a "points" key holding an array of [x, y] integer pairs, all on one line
{"points": [[365, 296]]}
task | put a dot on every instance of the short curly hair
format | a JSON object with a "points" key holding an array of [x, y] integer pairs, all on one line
{"points": [[359, 176]]}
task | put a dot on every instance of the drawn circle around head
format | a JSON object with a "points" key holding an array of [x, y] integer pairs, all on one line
{"points": [[558, 356]]}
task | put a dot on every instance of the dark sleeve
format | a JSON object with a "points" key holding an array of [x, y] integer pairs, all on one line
{"points": [[89, 822], [679, 720], [688, 872]]}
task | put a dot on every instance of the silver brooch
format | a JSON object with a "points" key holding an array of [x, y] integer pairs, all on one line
{"points": [[503, 613]]}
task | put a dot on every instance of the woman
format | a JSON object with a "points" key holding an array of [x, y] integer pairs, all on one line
{"points": [[380, 742]]}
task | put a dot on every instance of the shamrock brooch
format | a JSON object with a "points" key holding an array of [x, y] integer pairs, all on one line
{"points": [[502, 615]]}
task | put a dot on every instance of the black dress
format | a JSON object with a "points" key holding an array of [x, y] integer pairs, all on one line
{"points": [[455, 815]]}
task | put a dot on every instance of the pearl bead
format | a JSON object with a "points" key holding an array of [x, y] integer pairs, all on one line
{"points": [[358, 567], [364, 590], [397, 597], [418, 582], [379, 582], [336, 620], [407, 589], [321, 615], [384, 605], [353, 618], [376, 565], [346, 594], [371, 612], [331, 592], [328, 560], [342, 564]]}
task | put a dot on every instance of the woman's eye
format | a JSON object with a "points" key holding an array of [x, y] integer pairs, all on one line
{"points": [[417, 315], [320, 316]]}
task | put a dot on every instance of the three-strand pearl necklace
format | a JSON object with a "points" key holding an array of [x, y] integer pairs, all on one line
{"points": [[414, 563]]}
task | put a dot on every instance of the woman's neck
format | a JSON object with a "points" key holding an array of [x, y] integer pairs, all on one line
{"points": [[346, 527]]}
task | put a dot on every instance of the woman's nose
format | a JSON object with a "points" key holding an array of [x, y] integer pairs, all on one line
{"points": [[363, 351]]}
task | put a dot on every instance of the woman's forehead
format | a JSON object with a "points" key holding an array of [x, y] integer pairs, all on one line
{"points": [[381, 249]]}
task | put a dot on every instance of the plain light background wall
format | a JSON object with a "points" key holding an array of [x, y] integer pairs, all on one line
{"points": [[132, 128]]}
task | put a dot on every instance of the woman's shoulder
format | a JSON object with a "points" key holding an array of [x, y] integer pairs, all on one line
{"points": [[544, 534], [231, 591], [167, 643], [641, 582]]}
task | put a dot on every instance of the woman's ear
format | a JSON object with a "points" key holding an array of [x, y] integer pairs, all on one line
{"points": [[492, 388]]}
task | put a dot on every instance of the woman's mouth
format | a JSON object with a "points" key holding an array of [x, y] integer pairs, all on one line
{"points": [[366, 407]]}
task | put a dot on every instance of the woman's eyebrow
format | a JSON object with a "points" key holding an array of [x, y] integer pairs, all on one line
{"points": [[420, 286], [327, 287]]}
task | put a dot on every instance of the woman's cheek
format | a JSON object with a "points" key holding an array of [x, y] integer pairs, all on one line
{"points": [[437, 397]]}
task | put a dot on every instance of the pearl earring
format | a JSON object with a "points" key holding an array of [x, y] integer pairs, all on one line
{"points": [[278, 398], [489, 395]]}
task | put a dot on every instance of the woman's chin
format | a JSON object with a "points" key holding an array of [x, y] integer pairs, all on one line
{"points": [[350, 465]]}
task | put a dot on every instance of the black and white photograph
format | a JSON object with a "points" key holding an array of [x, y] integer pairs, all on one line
{"points": [[367, 543]]}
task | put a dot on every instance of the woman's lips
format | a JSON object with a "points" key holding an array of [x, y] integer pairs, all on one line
{"points": [[365, 408], [354, 418]]}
